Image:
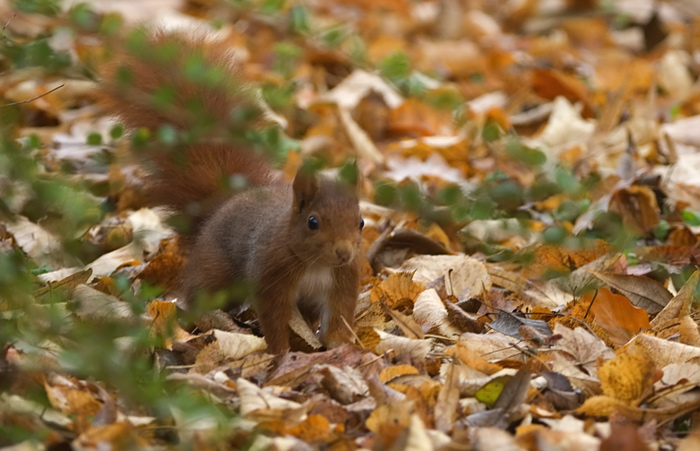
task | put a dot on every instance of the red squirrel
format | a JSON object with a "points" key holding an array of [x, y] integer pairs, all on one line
{"points": [[297, 243]]}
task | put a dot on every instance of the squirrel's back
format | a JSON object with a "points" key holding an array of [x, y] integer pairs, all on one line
{"points": [[186, 86]]}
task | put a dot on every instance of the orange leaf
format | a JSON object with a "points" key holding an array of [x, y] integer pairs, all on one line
{"points": [[550, 83], [616, 315]]}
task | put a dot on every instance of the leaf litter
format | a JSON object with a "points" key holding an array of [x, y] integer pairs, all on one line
{"points": [[527, 302]]}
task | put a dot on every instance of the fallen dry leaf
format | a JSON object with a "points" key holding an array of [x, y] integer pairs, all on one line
{"points": [[617, 316], [397, 289], [679, 306], [466, 276], [628, 376], [641, 291], [430, 312]]}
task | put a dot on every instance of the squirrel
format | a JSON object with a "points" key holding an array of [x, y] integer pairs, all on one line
{"points": [[295, 243]]}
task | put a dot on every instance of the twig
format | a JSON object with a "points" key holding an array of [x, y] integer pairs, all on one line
{"points": [[8, 22], [352, 331], [35, 98]]}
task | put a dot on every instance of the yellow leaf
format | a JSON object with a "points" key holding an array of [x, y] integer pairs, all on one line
{"points": [[628, 376], [489, 393], [600, 406], [392, 372], [396, 289]]}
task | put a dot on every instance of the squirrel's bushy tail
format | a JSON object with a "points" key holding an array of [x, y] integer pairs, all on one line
{"points": [[187, 87]]}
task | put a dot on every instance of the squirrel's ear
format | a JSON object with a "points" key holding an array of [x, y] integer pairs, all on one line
{"points": [[305, 187]]}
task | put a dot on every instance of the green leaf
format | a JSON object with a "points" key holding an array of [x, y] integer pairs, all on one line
{"points": [[273, 6], [692, 218], [94, 139], [396, 66], [286, 57], [554, 234], [117, 131], [300, 19], [385, 194], [661, 230], [334, 36], [44, 7], [491, 131], [84, 17], [524, 154], [489, 393]]}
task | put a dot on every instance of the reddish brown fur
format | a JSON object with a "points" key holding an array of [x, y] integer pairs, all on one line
{"points": [[260, 234], [200, 183], [151, 70], [194, 179]]}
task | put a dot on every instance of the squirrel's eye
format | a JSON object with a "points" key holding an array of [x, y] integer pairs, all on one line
{"points": [[313, 223], [362, 223]]}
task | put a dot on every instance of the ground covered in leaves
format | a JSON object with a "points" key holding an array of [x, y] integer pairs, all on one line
{"points": [[531, 195]]}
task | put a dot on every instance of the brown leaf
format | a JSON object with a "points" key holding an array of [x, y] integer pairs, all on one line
{"points": [[465, 276], [691, 442], [430, 313], [690, 334], [96, 307], [391, 372], [448, 398], [461, 319], [300, 327], [681, 303], [388, 420], [112, 436], [638, 207], [604, 406], [344, 385], [515, 391], [472, 359], [641, 291], [313, 428], [296, 365], [68, 283], [165, 270], [624, 437], [600, 406], [165, 324], [583, 347], [416, 438], [416, 118], [263, 403], [664, 352], [402, 347], [407, 324], [550, 259]]}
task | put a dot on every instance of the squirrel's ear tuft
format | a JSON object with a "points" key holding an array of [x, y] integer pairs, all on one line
{"points": [[305, 187]]}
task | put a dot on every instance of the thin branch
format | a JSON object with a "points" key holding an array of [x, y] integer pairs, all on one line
{"points": [[8, 21], [35, 98], [4, 36]]}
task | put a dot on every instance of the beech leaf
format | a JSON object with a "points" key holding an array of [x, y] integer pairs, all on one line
{"points": [[641, 291]]}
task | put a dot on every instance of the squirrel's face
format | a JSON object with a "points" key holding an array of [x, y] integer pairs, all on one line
{"points": [[327, 225]]}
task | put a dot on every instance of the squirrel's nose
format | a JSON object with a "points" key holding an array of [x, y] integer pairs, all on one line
{"points": [[344, 254]]}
